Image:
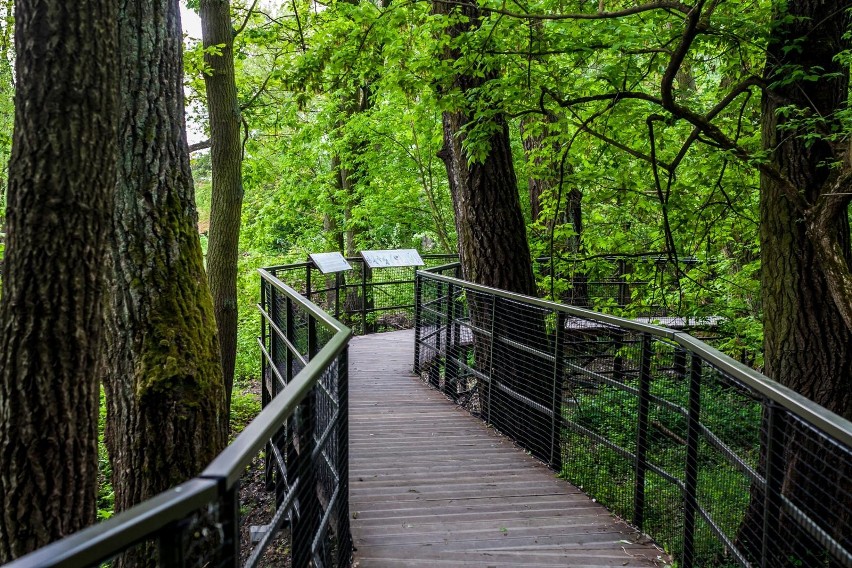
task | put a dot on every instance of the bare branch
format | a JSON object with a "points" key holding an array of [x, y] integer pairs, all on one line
{"points": [[200, 146], [663, 5], [246, 19]]}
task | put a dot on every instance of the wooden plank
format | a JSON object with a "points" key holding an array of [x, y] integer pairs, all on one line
{"points": [[431, 485]]}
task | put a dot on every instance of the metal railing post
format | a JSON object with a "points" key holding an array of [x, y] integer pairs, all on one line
{"points": [[364, 298], [642, 432], [231, 525], [418, 319], [490, 369], [337, 295], [774, 479], [283, 437], [312, 338], [308, 284], [690, 481], [344, 548], [290, 332], [434, 367], [556, 400], [171, 551], [451, 368], [306, 521], [267, 379]]}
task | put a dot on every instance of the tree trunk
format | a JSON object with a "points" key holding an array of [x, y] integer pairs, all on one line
{"points": [[808, 346], [165, 397], [226, 200], [60, 201], [494, 252], [492, 236]]}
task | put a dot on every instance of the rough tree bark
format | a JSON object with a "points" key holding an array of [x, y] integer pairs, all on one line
{"points": [[62, 179], [805, 253], [226, 200], [165, 395]]}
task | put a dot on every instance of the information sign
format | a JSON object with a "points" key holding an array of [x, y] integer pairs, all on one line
{"points": [[328, 262], [388, 258]]}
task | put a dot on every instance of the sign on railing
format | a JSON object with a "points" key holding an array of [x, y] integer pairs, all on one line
{"points": [[391, 258], [329, 262]]}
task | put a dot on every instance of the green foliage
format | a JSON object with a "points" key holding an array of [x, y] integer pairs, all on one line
{"points": [[106, 495], [723, 490], [245, 406]]}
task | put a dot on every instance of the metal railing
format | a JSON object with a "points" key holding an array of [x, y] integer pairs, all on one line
{"points": [[301, 435], [713, 460], [367, 300]]}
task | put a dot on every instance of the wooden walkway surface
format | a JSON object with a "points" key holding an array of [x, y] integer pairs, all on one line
{"points": [[430, 485]]}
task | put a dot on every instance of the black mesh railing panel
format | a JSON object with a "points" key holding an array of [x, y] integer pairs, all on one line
{"points": [[668, 433], [305, 461], [279, 494]]}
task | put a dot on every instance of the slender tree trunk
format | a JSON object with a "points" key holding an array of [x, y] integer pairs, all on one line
{"points": [[60, 201], [165, 395], [227, 193], [807, 344]]}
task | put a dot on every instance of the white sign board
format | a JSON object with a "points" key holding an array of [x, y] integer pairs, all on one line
{"points": [[328, 262], [388, 258]]}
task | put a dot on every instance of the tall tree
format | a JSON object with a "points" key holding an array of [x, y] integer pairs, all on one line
{"points": [[492, 239], [491, 232], [60, 202], [165, 395], [226, 162]]}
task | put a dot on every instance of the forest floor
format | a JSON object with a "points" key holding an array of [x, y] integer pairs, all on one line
{"points": [[257, 505]]}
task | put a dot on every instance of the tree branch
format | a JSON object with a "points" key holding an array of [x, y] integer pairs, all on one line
{"points": [[200, 146], [246, 19]]}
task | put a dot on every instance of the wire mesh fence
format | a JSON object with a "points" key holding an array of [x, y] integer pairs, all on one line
{"points": [[364, 299], [715, 462], [300, 437]]}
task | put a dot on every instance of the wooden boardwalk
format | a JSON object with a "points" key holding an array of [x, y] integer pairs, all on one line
{"points": [[430, 485]]}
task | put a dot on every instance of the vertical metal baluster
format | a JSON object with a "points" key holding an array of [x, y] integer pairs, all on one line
{"points": [[690, 504], [642, 432], [418, 319]]}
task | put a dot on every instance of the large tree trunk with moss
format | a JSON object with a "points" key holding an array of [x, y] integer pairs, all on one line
{"points": [[60, 200], [808, 345], [226, 199], [165, 395]]}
